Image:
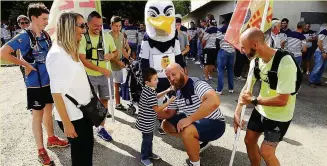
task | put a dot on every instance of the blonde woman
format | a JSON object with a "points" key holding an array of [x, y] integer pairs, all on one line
{"points": [[68, 76]]}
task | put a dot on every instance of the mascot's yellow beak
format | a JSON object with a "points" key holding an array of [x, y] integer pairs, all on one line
{"points": [[162, 23]]}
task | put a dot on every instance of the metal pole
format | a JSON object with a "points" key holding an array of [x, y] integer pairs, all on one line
{"points": [[109, 83]]}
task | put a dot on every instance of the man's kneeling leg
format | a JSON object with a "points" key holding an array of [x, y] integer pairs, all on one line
{"points": [[190, 139]]}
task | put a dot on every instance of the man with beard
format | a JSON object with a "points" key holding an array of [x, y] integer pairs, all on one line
{"points": [[274, 107], [198, 117]]}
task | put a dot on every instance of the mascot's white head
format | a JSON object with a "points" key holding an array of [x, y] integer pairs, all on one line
{"points": [[160, 20]]}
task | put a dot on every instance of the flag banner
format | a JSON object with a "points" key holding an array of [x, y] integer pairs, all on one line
{"points": [[84, 7], [247, 14]]}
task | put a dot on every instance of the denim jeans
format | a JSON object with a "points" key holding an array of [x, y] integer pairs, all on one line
{"points": [[146, 149], [193, 48], [199, 47], [298, 60], [225, 59], [318, 68]]}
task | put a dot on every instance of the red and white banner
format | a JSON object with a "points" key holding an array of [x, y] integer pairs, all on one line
{"points": [[247, 14], [84, 7]]}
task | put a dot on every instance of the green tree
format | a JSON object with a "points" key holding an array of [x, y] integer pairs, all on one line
{"points": [[182, 7]]}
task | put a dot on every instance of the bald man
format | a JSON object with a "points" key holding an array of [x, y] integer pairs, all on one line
{"points": [[198, 117], [274, 106]]}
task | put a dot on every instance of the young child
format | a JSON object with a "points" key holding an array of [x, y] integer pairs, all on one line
{"points": [[147, 116]]}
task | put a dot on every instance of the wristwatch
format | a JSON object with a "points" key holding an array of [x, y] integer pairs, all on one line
{"points": [[254, 100]]}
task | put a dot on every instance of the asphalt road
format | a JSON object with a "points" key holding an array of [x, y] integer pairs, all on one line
{"points": [[304, 144]]}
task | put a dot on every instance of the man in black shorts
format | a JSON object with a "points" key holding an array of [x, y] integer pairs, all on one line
{"points": [[274, 107], [209, 49], [39, 98]]}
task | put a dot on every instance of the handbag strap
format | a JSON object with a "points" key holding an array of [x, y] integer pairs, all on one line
{"points": [[74, 101]]}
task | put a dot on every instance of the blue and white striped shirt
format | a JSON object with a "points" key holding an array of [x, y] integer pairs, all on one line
{"points": [[223, 43], [323, 36], [188, 99], [210, 36], [147, 117], [295, 42]]}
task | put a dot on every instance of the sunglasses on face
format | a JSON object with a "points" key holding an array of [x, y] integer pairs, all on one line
{"points": [[23, 23], [83, 26]]}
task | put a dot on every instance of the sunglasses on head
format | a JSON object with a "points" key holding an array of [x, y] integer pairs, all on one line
{"points": [[84, 25], [23, 23]]}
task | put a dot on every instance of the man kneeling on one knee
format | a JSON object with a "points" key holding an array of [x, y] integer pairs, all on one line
{"points": [[198, 117]]}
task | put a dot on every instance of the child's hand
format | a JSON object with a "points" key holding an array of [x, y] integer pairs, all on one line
{"points": [[171, 88], [172, 99]]}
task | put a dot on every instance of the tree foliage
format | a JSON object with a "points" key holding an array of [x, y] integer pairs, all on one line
{"points": [[134, 10], [182, 7]]}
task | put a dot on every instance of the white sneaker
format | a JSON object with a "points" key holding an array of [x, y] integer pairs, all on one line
{"points": [[210, 78], [231, 91], [219, 93], [197, 62], [240, 78]]}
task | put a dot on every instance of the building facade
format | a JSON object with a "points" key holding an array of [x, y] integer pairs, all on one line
{"points": [[314, 12]]}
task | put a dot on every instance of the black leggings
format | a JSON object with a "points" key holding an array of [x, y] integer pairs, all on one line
{"points": [[82, 146]]}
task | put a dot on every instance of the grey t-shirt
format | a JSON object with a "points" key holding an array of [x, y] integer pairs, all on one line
{"points": [[183, 40]]}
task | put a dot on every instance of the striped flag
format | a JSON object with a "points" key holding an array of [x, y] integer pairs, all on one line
{"points": [[84, 7], [247, 14]]}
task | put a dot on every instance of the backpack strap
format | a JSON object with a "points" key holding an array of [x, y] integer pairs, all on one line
{"points": [[47, 36], [100, 45], [256, 71], [277, 58], [88, 39], [29, 58], [32, 36]]}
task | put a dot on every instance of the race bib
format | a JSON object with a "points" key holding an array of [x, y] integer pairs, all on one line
{"points": [[161, 62]]}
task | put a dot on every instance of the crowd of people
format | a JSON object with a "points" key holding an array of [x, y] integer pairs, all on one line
{"points": [[88, 51]]}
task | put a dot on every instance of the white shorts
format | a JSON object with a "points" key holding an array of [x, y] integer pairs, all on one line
{"points": [[118, 76]]}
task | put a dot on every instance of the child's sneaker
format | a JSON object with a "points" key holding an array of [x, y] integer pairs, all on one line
{"points": [[44, 158], [56, 142], [147, 162]]}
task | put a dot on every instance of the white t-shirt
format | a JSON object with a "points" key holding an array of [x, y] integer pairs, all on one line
{"points": [[158, 59], [5, 32], [68, 77]]}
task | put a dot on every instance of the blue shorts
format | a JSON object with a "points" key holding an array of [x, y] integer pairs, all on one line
{"points": [[208, 129]]}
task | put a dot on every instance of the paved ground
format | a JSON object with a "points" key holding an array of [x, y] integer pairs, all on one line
{"points": [[305, 143]]}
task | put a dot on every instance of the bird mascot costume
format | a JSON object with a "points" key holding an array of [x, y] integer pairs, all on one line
{"points": [[160, 46]]}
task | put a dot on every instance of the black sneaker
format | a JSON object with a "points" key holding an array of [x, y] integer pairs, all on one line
{"points": [[188, 162], [120, 107], [161, 131], [109, 115], [204, 146]]}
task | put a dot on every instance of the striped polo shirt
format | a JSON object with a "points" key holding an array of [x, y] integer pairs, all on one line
{"points": [[146, 117], [295, 42], [192, 32], [131, 33], [223, 43], [188, 99], [210, 35], [323, 36]]}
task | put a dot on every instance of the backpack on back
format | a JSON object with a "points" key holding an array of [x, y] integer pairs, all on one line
{"points": [[273, 72]]}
